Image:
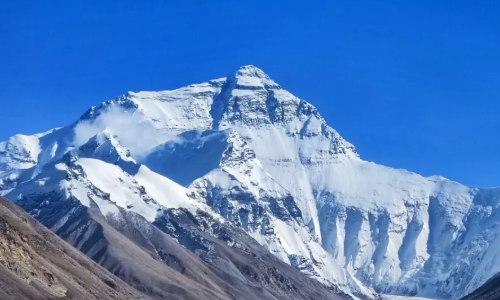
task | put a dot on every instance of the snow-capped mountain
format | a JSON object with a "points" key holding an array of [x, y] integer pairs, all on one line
{"points": [[126, 217], [243, 152]]}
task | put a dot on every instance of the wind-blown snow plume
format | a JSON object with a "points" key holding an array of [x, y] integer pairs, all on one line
{"points": [[129, 128]]}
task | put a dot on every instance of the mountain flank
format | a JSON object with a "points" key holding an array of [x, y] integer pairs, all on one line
{"points": [[36, 264]]}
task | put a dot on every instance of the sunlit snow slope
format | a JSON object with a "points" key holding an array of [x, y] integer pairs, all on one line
{"points": [[244, 150]]}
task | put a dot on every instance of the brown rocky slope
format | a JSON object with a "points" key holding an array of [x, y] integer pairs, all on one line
{"points": [[36, 264]]}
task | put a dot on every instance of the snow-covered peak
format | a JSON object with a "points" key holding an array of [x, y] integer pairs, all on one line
{"points": [[19, 151], [248, 77], [247, 99], [251, 71], [105, 147]]}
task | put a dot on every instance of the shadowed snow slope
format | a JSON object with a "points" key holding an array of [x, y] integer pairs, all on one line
{"points": [[488, 291], [249, 154]]}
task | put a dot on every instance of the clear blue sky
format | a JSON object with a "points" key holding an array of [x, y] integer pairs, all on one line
{"points": [[413, 84]]}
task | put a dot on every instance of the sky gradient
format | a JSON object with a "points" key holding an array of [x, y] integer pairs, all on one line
{"points": [[412, 84]]}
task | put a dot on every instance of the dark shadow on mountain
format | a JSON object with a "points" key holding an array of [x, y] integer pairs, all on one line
{"points": [[190, 157]]}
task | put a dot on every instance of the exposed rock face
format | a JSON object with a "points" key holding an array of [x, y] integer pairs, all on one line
{"points": [[257, 161]]}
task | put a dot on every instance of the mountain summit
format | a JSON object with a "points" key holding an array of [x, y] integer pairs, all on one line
{"points": [[249, 161], [252, 77]]}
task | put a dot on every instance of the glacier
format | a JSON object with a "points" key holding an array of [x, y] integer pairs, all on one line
{"points": [[248, 153]]}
